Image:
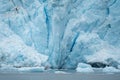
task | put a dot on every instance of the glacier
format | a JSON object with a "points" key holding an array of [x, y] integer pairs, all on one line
{"points": [[59, 34]]}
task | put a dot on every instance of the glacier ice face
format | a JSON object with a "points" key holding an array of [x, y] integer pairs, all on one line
{"points": [[14, 52], [67, 31]]}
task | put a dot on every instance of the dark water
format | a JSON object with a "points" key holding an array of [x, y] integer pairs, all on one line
{"points": [[58, 76]]}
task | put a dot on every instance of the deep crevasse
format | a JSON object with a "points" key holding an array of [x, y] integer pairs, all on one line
{"points": [[67, 31]]}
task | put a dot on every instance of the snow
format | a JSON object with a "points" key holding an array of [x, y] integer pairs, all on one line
{"points": [[59, 33]]}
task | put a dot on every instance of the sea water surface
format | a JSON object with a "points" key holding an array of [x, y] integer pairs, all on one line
{"points": [[57, 75]]}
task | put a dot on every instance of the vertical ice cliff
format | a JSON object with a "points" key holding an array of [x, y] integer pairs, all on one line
{"points": [[67, 31]]}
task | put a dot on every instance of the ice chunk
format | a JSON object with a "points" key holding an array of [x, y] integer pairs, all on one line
{"points": [[118, 66], [110, 69], [31, 69], [61, 72], [82, 67]]}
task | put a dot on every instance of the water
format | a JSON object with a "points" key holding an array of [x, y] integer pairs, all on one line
{"points": [[58, 75]]}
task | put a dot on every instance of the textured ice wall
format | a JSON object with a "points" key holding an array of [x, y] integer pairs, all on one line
{"points": [[68, 31]]}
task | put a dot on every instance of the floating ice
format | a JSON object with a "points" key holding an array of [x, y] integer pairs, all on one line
{"points": [[110, 69], [31, 69], [82, 67], [61, 72]]}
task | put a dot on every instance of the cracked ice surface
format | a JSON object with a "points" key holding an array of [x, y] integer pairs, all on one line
{"points": [[68, 32]]}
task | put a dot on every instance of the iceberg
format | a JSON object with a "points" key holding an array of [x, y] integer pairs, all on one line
{"points": [[110, 69], [82, 67], [59, 34]]}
